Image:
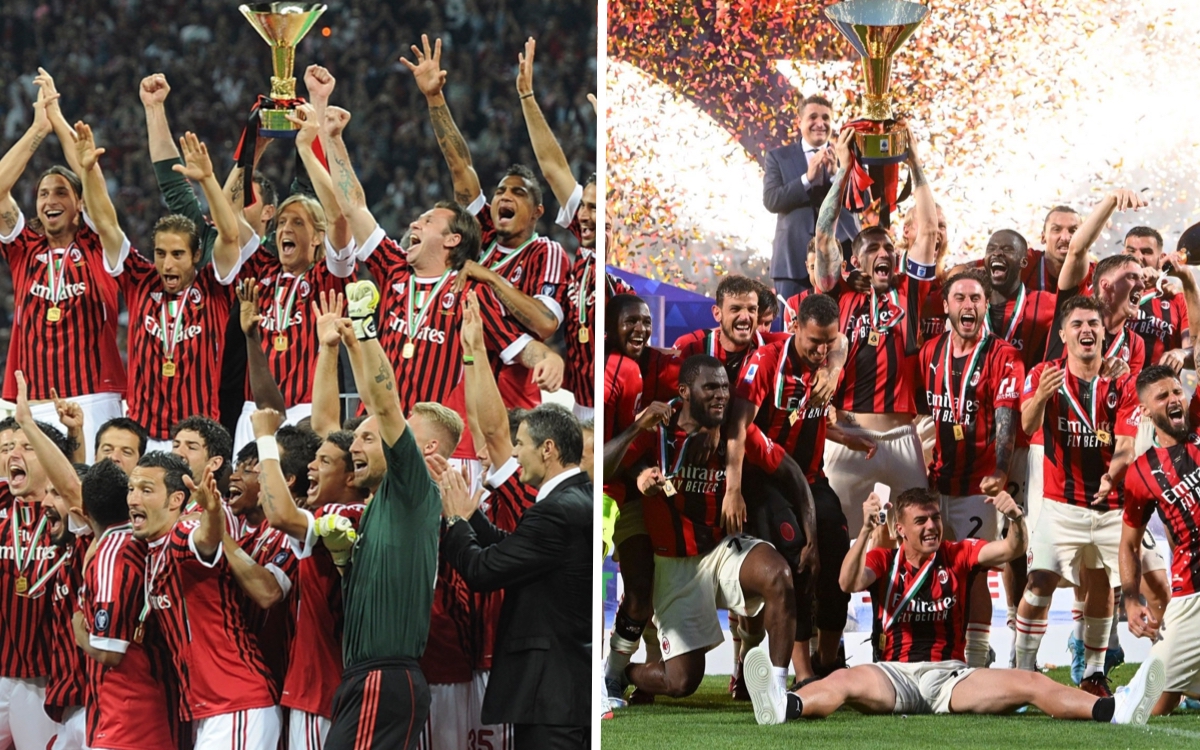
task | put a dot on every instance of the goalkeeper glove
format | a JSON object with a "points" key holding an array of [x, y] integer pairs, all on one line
{"points": [[362, 298], [339, 536]]}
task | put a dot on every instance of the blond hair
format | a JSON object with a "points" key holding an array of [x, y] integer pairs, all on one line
{"points": [[316, 214], [444, 419]]}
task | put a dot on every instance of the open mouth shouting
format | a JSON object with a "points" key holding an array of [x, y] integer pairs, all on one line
{"points": [[635, 343], [137, 519], [172, 282], [968, 321], [54, 522], [998, 268], [881, 271], [743, 328], [506, 212], [18, 479], [287, 248], [1177, 416], [1088, 341]]}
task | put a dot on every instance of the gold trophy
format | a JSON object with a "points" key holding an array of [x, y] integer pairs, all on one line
{"points": [[876, 29], [282, 25]]}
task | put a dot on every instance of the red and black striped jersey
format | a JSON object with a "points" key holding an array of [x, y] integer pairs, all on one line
{"points": [[1039, 277], [614, 285], [1075, 455], [136, 703], [269, 547], [622, 394], [28, 616], [315, 660], [932, 624], [689, 522], [660, 374], [199, 606], [933, 313], [883, 336], [66, 686], [1028, 328], [176, 344], [708, 341], [1124, 344], [1161, 323], [1168, 479], [433, 369], [964, 414], [580, 332], [537, 269], [289, 334], [778, 381], [791, 308], [64, 332]]}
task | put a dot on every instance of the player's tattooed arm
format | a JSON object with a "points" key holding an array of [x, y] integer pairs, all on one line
{"points": [[546, 364], [923, 250], [1006, 433], [14, 161], [457, 155], [530, 312], [376, 381], [259, 584], [829, 252], [274, 495]]}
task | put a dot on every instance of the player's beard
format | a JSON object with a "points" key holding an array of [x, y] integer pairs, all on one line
{"points": [[702, 415], [1163, 422]]}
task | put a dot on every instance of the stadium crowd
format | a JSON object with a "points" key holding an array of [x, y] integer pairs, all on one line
{"points": [[169, 582], [912, 427]]}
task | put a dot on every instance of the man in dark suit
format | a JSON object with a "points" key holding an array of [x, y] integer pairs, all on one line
{"points": [[796, 181], [541, 674]]}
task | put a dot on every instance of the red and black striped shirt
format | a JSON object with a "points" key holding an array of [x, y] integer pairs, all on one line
{"points": [[1075, 457], [269, 547], [997, 376], [66, 686], [136, 703], [215, 652], [689, 522], [289, 335], [1030, 329], [884, 340], [28, 620], [660, 374], [708, 341], [778, 381], [614, 285], [622, 394], [1168, 479], [1125, 344], [580, 312], [1161, 323], [187, 330], [1039, 277], [932, 626], [77, 353]]}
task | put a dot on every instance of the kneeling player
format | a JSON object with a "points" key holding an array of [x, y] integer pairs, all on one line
{"points": [[920, 596]]}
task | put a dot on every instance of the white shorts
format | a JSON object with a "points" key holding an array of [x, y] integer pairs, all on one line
{"points": [[1067, 539], [98, 408], [924, 687], [23, 719], [629, 523], [251, 729], [306, 731], [688, 591], [969, 517], [1180, 634], [453, 722], [898, 463], [927, 432], [72, 733], [1035, 464], [158, 445], [244, 432]]}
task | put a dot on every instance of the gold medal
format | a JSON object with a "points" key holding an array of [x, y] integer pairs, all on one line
{"points": [[873, 338], [794, 417], [1104, 437], [54, 314], [139, 633], [281, 343], [668, 488], [883, 641], [409, 350], [22, 584], [168, 369], [583, 335], [958, 432]]}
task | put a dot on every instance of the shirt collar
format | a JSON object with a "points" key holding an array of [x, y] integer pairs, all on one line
{"points": [[548, 487]]}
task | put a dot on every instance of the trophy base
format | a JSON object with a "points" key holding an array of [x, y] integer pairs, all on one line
{"points": [[887, 147], [275, 124]]}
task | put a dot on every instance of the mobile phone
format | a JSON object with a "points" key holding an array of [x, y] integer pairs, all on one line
{"points": [[884, 492]]}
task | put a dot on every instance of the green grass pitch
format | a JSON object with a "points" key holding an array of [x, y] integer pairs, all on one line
{"points": [[709, 720]]}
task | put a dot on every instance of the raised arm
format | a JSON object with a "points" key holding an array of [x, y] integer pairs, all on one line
{"points": [[13, 164], [373, 372], [924, 246], [997, 553], [198, 166], [54, 462], [430, 79], [855, 575], [208, 535], [263, 387], [70, 414], [153, 92], [66, 136], [347, 190], [276, 498], [829, 252], [1075, 266], [327, 400], [95, 195], [484, 404], [320, 83], [549, 153]]}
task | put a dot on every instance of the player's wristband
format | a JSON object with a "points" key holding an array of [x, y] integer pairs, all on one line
{"points": [[526, 96], [268, 449], [919, 270], [468, 359]]}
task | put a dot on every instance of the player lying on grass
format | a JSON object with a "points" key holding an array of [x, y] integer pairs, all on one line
{"points": [[920, 595]]}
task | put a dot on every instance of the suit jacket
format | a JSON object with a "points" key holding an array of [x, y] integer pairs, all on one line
{"points": [[797, 207], [541, 671]]}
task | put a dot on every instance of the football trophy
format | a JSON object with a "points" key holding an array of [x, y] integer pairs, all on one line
{"points": [[282, 25]]}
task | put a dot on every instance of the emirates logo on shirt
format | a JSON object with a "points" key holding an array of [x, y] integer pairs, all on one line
{"points": [[1183, 493], [399, 325], [68, 291], [190, 332]]}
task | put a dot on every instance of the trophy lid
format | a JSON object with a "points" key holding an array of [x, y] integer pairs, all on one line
{"points": [[855, 19], [282, 24], [1189, 244]]}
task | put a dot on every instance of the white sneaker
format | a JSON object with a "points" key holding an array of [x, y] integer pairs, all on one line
{"points": [[1135, 702], [769, 699]]}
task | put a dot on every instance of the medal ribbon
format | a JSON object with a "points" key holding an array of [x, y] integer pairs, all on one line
{"points": [[152, 571], [779, 381], [581, 301], [909, 592], [283, 315], [1018, 314], [960, 411], [710, 343], [170, 340], [512, 254], [1089, 423], [1116, 346], [1154, 293], [19, 556], [414, 325], [37, 585], [894, 298], [662, 447], [56, 284]]}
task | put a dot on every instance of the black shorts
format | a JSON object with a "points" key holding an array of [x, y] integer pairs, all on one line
{"points": [[380, 704]]}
